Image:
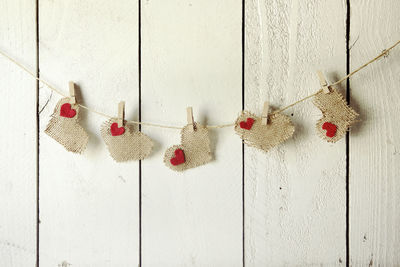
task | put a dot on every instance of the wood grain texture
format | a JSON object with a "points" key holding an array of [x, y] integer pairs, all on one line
{"points": [[295, 208], [295, 199], [88, 204], [18, 135], [191, 54], [375, 142]]}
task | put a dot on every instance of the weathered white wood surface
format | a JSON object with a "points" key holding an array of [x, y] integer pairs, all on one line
{"points": [[295, 194], [89, 205], [191, 54], [375, 142], [18, 135]]}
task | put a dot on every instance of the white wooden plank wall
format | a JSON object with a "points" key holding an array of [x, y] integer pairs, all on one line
{"points": [[191, 54], [375, 143], [295, 194], [18, 135], [89, 205], [95, 212]]}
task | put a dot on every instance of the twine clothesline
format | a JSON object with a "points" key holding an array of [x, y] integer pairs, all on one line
{"points": [[384, 53]]}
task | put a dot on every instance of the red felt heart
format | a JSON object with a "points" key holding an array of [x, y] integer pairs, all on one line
{"points": [[247, 124], [330, 129], [115, 130], [179, 157], [67, 111]]}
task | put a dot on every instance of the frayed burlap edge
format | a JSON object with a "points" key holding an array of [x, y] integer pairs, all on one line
{"points": [[334, 110], [130, 146], [67, 131], [195, 145], [265, 137]]}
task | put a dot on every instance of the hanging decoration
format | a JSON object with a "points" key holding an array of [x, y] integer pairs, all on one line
{"points": [[264, 132], [64, 124], [123, 143], [194, 149], [337, 116]]}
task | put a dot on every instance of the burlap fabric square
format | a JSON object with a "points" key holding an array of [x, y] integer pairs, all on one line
{"points": [[337, 116], [64, 127], [193, 151], [130, 145], [278, 129]]}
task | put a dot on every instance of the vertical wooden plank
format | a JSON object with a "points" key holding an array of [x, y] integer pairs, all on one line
{"points": [[295, 208], [374, 142], [88, 203], [18, 135], [191, 54]]}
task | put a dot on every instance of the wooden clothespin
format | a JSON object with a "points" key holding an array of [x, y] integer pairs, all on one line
{"points": [[190, 120], [264, 115], [72, 93], [323, 82], [121, 113]]}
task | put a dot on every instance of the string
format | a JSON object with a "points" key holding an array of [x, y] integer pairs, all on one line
{"points": [[384, 53], [295, 103]]}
